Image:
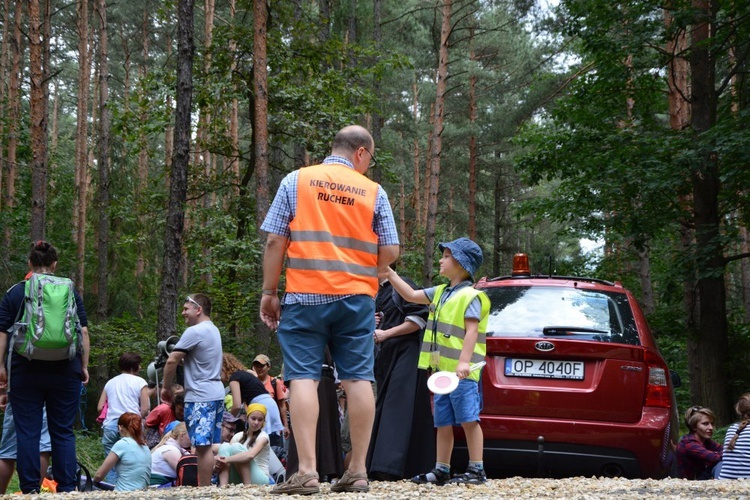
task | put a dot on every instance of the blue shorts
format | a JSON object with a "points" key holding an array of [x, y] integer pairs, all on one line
{"points": [[345, 326], [458, 407], [8, 448], [203, 421]]}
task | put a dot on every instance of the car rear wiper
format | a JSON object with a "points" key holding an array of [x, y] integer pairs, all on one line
{"points": [[570, 330]]}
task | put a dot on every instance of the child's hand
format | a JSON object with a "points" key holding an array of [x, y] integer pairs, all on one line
{"points": [[384, 272], [462, 370]]}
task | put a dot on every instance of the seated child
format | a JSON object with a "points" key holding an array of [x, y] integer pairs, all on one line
{"points": [[167, 453], [129, 456], [248, 453]]}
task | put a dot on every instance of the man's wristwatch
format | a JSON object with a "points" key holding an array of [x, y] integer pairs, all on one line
{"points": [[269, 291]]}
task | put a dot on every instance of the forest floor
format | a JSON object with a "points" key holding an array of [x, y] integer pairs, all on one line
{"points": [[517, 487]]}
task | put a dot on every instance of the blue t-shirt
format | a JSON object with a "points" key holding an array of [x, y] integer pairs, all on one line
{"points": [[134, 467]]}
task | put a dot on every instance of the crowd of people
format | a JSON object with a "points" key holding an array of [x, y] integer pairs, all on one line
{"points": [[357, 341]]}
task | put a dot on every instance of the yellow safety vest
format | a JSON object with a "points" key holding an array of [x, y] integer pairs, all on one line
{"points": [[446, 330]]}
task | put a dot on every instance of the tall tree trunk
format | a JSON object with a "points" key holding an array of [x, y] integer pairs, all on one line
{"points": [[4, 62], [234, 117], [14, 105], [171, 266], [102, 164], [80, 199], [38, 128], [472, 201], [437, 144], [712, 343], [377, 117], [169, 130], [417, 196], [260, 124], [143, 161]]}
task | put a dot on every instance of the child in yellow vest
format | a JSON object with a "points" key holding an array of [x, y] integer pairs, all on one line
{"points": [[453, 340]]}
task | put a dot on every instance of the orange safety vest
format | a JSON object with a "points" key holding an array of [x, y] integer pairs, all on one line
{"points": [[333, 249]]}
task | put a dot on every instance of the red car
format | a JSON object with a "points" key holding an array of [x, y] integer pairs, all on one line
{"points": [[574, 384]]}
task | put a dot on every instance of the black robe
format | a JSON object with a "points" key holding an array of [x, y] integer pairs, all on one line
{"points": [[403, 434]]}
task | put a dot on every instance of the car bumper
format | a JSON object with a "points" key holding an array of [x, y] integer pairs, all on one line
{"points": [[563, 448]]}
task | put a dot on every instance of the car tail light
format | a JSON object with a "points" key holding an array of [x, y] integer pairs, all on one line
{"points": [[657, 387]]}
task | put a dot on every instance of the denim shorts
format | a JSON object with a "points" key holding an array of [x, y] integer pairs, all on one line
{"points": [[8, 448], [203, 421], [458, 407], [345, 326]]}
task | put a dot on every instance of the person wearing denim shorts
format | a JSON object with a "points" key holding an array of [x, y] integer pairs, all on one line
{"points": [[455, 337], [200, 348], [336, 228], [9, 448]]}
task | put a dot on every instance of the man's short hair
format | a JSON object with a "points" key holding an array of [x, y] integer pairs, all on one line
{"points": [[351, 138], [203, 301]]}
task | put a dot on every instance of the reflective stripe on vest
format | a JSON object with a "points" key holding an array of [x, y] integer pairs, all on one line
{"points": [[333, 249], [451, 330]]}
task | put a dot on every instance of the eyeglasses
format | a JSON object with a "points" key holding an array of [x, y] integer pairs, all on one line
{"points": [[373, 160], [190, 299]]}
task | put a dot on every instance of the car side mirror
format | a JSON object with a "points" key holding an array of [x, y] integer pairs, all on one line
{"points": [[676, 380]]}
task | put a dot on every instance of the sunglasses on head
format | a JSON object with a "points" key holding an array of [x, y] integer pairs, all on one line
{"points": [[190, 299]]}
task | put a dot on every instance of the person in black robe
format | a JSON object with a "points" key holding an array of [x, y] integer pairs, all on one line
{"points": [[403, 437]]}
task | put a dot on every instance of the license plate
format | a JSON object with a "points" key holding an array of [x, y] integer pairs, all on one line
{"points": [[539, 368]]}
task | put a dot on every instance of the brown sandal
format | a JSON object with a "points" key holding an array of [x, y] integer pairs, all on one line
{"points": [[346, 483], [295, 485]]}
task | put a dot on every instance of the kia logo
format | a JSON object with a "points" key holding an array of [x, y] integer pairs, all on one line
{"points": [[544, 346]]}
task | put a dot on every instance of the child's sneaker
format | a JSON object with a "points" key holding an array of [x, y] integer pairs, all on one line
{"points": [[435, 476], [471, 476]]}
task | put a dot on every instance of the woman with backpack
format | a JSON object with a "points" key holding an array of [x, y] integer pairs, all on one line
{"points": [[249, 452], [130, 456], [49, 374]]}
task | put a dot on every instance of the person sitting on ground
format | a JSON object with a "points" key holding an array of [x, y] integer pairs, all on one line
{"points": [[736, 458], [167, 453], [164, 413], [130, 456], [125, 393], [697, 454], [249, 452]]}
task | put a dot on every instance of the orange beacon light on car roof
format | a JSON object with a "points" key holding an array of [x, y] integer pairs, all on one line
{"points": [[521, 265]]}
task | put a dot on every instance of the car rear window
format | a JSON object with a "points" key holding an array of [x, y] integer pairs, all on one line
{"points": [[557, 312]]}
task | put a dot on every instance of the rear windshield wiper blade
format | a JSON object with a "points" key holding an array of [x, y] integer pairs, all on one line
{"points": [[571, 330]]}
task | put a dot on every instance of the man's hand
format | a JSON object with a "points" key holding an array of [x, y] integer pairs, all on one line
{"points": [[85, 375], [3, 377], [270, 311], [462, 370]]}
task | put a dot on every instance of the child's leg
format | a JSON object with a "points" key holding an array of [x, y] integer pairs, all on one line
{"points": [[444, 444], [474, 440], [256, 476]]}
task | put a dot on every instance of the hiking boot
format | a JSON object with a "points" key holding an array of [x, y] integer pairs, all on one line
{"points": [[441, 477], [471, 476]]}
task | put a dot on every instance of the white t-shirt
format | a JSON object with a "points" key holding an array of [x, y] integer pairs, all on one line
{"points": [[123, 396], [263, 457], [159, 464]]}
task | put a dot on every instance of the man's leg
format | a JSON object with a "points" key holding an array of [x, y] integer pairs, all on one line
{"points": [[205, 464], [361, 405], [304, 408]]}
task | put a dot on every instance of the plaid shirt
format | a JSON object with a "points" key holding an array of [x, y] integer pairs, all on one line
{"points": [[696, 458], [284, 208]]}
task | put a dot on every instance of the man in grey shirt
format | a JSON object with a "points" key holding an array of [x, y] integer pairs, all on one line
{"points": [[200, 348]]}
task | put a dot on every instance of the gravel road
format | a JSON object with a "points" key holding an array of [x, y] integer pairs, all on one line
{"points": [[578, 488]]}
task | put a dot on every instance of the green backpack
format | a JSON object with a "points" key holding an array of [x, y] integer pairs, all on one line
{"points": [[48, 329]]}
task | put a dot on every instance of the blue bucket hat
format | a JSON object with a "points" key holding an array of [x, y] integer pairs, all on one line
{"points": [[466, 252]]}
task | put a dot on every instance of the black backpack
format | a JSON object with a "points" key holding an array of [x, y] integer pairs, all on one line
{"points": [[187, 470]]}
